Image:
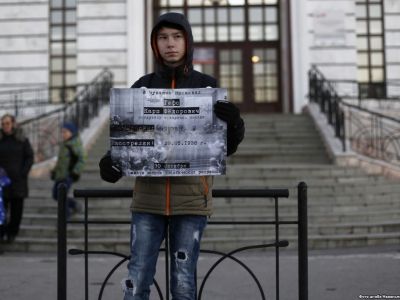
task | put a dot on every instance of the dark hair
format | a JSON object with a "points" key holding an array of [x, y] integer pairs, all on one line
{"points": [[168, 25]]}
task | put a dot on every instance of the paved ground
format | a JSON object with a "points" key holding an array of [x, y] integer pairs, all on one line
{"points": [[333, 274]]}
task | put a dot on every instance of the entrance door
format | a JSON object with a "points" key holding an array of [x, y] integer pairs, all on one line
{"points": [[239, 44], [250, 73]]}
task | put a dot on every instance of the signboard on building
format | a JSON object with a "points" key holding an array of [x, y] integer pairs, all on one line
{"points": [[329, 27], [167, 132]]}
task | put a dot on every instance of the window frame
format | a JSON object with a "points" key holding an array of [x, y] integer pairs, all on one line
{"points": [[62, 90], [370, 86]]}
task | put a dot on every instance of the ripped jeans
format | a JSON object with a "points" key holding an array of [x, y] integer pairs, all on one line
{"points": [[147, 234]]}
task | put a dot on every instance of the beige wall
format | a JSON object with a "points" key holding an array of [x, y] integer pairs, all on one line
{"points": [[23, 44], [102, 39]]}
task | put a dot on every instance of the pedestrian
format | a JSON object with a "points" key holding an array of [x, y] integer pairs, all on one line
{"points": [[181, 204], [69, 166], [16, 158]]}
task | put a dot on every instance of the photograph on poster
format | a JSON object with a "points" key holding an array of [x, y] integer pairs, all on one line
{"points": [[165, 132]]}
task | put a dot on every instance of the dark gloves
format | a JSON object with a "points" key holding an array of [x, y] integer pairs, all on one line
{"points": [[109, 172], [227, 112], [75, 177], [52, 175]]}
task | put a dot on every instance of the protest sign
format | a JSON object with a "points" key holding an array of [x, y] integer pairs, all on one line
{"points": [[167, 132]]}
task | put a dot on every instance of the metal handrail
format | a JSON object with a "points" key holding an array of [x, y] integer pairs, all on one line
{"points": [[85, 106], [250, 193], [322, 92], [353, 89], [360, 91], [368, 132]]}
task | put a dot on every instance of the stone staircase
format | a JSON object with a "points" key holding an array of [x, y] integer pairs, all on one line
{"points": [[347, 207]]}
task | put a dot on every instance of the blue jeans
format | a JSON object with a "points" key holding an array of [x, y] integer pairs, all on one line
{"points": [[147, 233]]}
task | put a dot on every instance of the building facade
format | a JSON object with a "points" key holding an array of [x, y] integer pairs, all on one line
{"points": [[260, 50]]}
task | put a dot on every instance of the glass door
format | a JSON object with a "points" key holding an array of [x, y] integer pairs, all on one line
{"points": [[249, 73], [265, 74], [237, 42], [230, 75]]}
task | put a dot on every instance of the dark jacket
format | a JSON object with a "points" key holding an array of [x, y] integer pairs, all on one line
{"points": [[16, 158], [177, 195]]}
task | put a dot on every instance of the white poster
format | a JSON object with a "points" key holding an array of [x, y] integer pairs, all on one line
{"points": [[167, 132]]}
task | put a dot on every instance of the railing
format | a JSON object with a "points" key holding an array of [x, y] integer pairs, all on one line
{"points": [[323, 93], [373, 134], [277, 243], [43, 130], [25, 102], [361, 92], [368, 132]]}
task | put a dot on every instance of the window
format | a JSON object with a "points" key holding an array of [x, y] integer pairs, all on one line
{"points": [[238, 43], [62, 50], [223, 20], [370, 48], [230, 73], [265, 74]]}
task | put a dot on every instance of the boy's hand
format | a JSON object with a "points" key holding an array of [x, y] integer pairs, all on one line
{"points": [[227, 112], [75, 177], [109, 172]]}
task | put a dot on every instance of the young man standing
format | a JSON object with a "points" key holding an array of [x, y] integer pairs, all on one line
{"points": [[181, 204]]}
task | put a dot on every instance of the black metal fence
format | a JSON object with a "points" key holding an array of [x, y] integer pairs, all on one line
{"points": [[43, 130], [368, 132], [361, 92], [277, 243], [25, 102], [322, 92], [373, 134]]}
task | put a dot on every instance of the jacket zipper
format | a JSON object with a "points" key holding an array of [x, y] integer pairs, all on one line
{"points": [[206, 189], [173, 82]]}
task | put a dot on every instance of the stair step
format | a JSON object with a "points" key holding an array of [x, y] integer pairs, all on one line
{"points": [[236, 179], [121, 232], [314, 217], [223, 244]]}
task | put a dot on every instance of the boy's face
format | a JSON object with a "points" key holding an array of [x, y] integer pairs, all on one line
{"points": [[171, 46], [66, 134]]}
